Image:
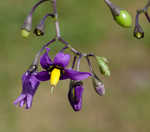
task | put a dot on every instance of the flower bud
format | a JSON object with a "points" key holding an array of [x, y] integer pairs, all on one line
{"points": [[124, 19], [75, 95], [138, 32], [25, 33], [27, 26], [98, 85], [39, 30], [104, 69], [121, 16]]}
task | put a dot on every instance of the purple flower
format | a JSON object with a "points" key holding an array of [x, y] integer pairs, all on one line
{"points": [[75, 95], [56, 70], [29, 87]]}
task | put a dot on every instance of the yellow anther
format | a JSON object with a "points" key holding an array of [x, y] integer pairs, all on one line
{"points": [[55, 76]]}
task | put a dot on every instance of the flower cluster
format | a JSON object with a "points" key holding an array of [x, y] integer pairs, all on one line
{"points": [[58, 68]]}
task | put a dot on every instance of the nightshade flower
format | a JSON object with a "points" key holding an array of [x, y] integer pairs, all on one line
{"points": [[75, 95], [29, 87], [56, 70]]}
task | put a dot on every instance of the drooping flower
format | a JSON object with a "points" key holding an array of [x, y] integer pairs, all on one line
{"points": [[56, 70], [75, 95], [29, 87]]}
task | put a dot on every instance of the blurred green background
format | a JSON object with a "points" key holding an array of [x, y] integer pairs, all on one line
{"points": [[88, 26]]}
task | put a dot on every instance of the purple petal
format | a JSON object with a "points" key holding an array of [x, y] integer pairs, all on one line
{"points": [[34, 82], [21, 97], [75, 75], [78, 94], [43, 76], [77, 107], [62, 59], [22, 102], [25, 76], [45, 60], [29, 101]]}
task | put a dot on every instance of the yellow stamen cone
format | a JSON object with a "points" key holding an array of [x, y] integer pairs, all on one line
{"points": [[55, 76]]}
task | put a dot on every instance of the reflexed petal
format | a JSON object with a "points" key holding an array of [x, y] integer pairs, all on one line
{"points": [[42, 76], [29, 101], [75, 75], [21, 97], [21, 103], [62, 59], [45, 60]]}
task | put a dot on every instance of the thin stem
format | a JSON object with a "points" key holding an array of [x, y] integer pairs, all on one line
{"points": [[56, 18], [69, 46], [74, 61], [147, 16], [89, 64], [137, 18], [114, 10], [147, 5], [36, 59], [36, 5], [62, 50], [143, 10], [45, 17], [78, 63]]}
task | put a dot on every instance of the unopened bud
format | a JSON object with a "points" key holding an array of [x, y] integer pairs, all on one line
{"points": [[25, 33], [104, 69], [138, 32], [39, 30], [124, 19], [27, 26], [121, 16], [75, 95], [98, 85]]}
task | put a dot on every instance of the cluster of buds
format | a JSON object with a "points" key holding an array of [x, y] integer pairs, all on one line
{"points": [[124, 19], [57, 69]]}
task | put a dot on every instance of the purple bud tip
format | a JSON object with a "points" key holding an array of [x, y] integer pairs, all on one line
{"points": [[98, 85]]}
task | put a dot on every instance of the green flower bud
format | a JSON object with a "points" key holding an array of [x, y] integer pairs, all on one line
{"points": [[138, 32], [104, 69], [124, 19], [25, 33], [26, 27]]}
